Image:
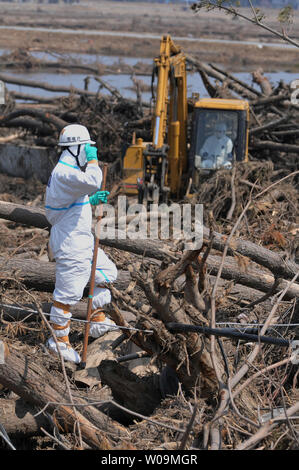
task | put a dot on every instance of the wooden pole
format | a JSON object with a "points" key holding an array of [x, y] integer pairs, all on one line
{"points": [[92, 277]]}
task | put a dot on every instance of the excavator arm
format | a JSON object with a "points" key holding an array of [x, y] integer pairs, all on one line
{"points": [[165, 158], [170, 116]]}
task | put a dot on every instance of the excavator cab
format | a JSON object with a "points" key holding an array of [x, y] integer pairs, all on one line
{"points": [[219, 134], [162, 168]]}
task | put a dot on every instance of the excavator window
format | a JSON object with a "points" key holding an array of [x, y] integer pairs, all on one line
{"points": [[218, 138]]}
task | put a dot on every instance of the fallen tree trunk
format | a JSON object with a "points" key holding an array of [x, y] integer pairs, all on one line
{"points": [[235, 79], [10, 138], [35, 385], [287, 133], [40, 64], [40, 275], [239, 293], [42, 129], [252, 278], [271, 100], [280, 147], [44, 116], [46, 86], [39, 99], [31, 216], [112, 90], [268, 126], [279, 266], [12, 312], [18, 418], [232, 83], [60, 89]]}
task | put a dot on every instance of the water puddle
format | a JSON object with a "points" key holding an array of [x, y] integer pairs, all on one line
{"points": [[124, 84], [85, 58]]}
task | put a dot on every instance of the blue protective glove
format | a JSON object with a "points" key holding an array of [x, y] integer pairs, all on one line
{"points": [[99, 196], [91, 152]]}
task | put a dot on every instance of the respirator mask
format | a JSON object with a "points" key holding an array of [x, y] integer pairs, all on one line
{"points": [[78, 152]]}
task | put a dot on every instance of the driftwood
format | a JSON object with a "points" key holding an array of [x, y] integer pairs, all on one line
{"points": [[188, 355], [139, 394], [27, 312], [183, 291], [231, 84], [280, 147], [258, 77], [17, 417], [40, 275], [149, 248], [43, 116], [268, 126], [250, 277], [270, 100], [46, 86], [28, 97], [9, 138], [244, 85], [21, 214], [35, 385], [277, 264], [42, 128]]}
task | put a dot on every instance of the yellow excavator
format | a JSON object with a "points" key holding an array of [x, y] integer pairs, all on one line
{"points": [[190, 137]]}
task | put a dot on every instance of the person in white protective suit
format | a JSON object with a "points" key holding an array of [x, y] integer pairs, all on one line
{"points": [[73, 187], [216, 151]]}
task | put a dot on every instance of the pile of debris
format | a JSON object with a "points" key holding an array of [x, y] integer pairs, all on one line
{"points": [[114, 119], [163, 368], [205, 356]]}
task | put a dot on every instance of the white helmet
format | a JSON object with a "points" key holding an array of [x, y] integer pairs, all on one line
{"points": [[74, 134]]}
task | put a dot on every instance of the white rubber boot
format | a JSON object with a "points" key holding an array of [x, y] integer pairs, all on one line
{"points": [[67, 352], [100, 324]]}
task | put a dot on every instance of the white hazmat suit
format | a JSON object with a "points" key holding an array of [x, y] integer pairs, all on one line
{"points": [[71, 241], [216, 151]]}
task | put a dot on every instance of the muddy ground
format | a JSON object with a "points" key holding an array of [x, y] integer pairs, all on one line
{"points": [[146, 18]]}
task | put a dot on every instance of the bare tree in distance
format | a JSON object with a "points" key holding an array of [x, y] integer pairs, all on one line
{"points": [[284, 17]]}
